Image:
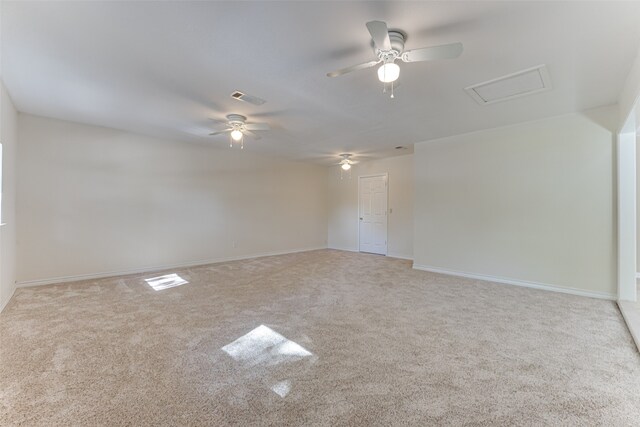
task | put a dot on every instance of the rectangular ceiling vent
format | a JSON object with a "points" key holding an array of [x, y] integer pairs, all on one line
{"points": [[526, 82], [247, 98]]}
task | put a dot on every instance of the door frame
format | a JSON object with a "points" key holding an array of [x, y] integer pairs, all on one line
{"points": [[626, 204], [386, 180]]}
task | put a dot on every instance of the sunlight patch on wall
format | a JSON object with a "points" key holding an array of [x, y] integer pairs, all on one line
{"points": [[165, 282]]}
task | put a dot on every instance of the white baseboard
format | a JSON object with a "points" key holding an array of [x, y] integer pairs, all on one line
{"points": [[390, 254], [400, 256], [522, 283], [4, 303], [337, 248], [76, 278]]}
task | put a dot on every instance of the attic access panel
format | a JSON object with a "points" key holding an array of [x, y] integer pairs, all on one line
{"points": [[522, 83]]}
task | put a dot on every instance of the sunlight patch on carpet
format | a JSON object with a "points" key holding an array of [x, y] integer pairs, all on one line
{"points": [[282, 388], [165, 282], [263, 345]]}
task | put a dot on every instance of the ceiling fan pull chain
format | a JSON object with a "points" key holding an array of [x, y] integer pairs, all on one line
{"points": [[384, 85], [392, 90], [242, 142], [384, 73]]}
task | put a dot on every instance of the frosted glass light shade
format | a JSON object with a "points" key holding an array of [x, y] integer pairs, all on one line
{"points": [[236, 135], [389, 72]]}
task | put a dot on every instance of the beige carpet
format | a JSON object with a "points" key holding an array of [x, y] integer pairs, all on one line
{"points": [[317, 338]]}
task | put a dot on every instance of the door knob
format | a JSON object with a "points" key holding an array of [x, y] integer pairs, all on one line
{"points": [[360, 218]]}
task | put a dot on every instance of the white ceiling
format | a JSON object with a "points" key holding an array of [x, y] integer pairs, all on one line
{"points": [[163, 68]]}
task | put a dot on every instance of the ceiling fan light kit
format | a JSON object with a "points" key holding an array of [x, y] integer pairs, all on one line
{"points": [[345, 165], [237, 127], [236, 135], [389, 45], [389, 72]]}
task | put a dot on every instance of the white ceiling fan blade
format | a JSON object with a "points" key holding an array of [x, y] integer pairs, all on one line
{"points": [[251, 134], [353, 68], [380, 34], [446, 51], [257, 126], [220, 132], [221, 127]]}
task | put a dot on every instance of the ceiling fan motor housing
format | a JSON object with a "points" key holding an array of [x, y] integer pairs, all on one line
{"points": [[397, 39], [236, 118]]}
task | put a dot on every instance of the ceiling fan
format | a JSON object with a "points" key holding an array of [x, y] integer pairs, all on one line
{"points": [[388, 46], [237, 127], [346, 162]]}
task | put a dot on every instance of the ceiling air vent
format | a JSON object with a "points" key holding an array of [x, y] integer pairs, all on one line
{"points": [[247, 98], [526, 82]]}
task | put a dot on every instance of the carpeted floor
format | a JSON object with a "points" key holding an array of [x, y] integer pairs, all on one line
{"points": [[316, 338]]}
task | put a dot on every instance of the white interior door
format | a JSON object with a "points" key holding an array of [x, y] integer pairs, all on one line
{"points": [[372, 202]]}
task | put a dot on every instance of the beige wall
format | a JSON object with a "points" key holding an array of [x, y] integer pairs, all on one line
{"points": [[630, 93], [531, 203], [343, 205], [9, 140], [93, 201]]}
